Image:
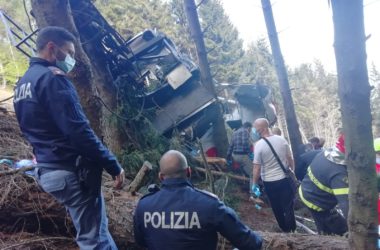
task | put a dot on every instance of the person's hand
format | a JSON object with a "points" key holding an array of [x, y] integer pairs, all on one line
{"points": [[256, 190], [119, 179]]}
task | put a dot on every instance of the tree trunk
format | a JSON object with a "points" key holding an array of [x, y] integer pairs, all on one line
{"points": [[137, 183], [220, 134], [58, 13], [121, 205], [282, 75], [89, 76], [354, 95]]}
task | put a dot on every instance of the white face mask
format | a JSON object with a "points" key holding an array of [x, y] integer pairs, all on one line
{"points": [[66, 65], [255, 135]]}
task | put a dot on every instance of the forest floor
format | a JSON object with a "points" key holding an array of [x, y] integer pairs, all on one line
{"points": [[30, 219], [4, 94]]}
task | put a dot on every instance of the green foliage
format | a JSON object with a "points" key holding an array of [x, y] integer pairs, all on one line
{"points": [[147, 147], [183, 38], [133, 17], [223, 44], [222, 41], [13, 63], [374, 79], [133, 160], [15, 9], [143, 141], [316, 101], [314, 91], [257, 65], [227, 192]]}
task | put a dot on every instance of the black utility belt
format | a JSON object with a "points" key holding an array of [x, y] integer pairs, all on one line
{"points": [[44, 168], [89, 174]]}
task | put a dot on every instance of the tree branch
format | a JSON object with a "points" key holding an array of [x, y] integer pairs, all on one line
{"points": [[16, 171], [200, 3]]}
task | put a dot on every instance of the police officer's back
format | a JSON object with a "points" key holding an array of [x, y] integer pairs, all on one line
{"points": [[180, 216]]}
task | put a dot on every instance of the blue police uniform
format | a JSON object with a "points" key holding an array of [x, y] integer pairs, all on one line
{"points": [[180, 217], [52, 120]]}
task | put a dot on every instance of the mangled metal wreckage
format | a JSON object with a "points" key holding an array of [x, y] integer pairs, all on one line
{"points": [[166, 81]]}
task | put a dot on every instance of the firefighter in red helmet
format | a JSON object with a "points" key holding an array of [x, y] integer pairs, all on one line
{"points": [[324, 187]]}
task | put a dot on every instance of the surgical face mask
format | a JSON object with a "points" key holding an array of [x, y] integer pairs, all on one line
{"points": [[255, 135], [66, 65]]}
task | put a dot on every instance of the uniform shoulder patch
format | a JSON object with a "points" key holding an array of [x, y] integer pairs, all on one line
{"points": [[56, 71], [152, 189], [207, 193]]}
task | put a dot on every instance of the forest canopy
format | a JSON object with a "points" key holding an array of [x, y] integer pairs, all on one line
{"points": [[313, 88]]}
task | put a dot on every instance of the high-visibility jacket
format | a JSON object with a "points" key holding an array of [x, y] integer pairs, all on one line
{"points": [[325, 185]]}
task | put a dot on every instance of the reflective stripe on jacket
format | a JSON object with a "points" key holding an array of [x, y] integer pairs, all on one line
{"points": [[325, 185]]}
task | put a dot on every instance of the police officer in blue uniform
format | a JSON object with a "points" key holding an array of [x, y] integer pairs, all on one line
{"points": [[52, 120], [179, 216]]}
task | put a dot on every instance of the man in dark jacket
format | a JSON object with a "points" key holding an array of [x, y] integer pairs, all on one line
{"points": [[324, 187], [52, 120], [306, 158], [239, 150], [181, 217]]}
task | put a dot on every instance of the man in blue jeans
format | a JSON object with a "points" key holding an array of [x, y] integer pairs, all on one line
{"points": [[52, 120]]}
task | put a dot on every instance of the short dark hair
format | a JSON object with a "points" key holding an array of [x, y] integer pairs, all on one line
{"points": [[314, 140], [55, 34], [247, 125]]}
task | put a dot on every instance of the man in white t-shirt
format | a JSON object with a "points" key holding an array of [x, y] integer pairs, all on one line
{"points": [[276, 184]]}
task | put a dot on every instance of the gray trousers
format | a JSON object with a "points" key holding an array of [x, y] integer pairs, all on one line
{"points": [[246, 165], [87, 211]]}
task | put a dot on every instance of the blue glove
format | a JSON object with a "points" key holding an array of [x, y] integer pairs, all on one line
{"points": [[229, 164], [256, 190]]}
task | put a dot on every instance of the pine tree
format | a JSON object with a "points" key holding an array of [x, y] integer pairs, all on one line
{"points": [[224, 46], [374, 79], [316, 101], [257, 65], [132, 17]]}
